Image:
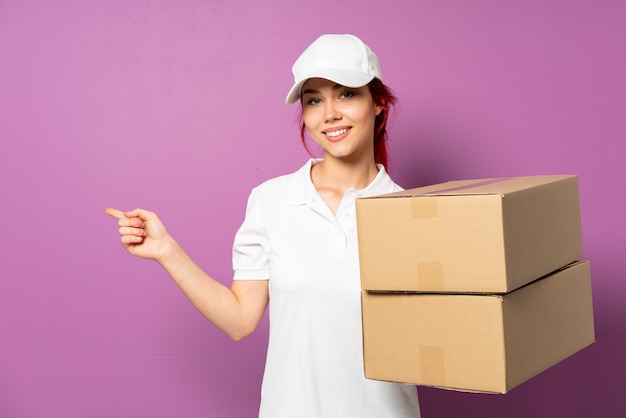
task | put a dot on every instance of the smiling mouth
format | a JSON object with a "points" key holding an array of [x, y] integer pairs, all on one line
{"points": [[334, 134]]}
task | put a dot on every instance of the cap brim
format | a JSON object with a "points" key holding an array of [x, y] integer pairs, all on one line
{"points": [[345, 78]]}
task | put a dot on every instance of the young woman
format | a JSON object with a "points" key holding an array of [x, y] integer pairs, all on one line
{"points": [[298, 247]]}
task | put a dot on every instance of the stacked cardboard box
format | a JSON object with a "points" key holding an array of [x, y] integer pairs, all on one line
{"points": [[473, 285]]}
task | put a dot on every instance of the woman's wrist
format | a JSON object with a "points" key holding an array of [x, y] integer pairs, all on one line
{"points": [[170, 251]]}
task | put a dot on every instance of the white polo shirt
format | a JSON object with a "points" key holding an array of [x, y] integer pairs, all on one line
{"points": [[309, 255]]}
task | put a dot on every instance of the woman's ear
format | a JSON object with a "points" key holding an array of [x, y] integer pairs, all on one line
{"points": [[379, 108]]}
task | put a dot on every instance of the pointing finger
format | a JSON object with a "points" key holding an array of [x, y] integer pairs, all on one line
{"points": [[115, 213]]}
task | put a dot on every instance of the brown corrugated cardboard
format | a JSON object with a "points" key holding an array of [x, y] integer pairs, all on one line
{"points": [[482, 343], [470, 236]]}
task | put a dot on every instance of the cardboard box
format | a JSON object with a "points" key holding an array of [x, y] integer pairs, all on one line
{"points": [[491, 235], [480, 343]]}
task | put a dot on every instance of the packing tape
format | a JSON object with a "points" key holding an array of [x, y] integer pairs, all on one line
{"points": [[432, 365], [424, 207], [430, 275]]}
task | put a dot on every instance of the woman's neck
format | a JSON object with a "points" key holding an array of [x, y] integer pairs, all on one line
{"points": [[333, 177]]}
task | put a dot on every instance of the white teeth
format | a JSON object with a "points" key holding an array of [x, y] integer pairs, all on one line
{"points": [[334, 134]]}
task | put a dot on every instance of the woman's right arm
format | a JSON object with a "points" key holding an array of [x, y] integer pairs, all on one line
{"points": [[236, 310]]}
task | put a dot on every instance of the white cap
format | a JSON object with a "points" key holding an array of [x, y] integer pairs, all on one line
{"points": [[344, 59]]}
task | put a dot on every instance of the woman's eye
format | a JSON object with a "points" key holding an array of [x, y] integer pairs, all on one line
{"points": [[314, 101], [347, 94]]}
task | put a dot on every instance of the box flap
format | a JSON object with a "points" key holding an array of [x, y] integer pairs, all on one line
{"points": [[498, 186]]}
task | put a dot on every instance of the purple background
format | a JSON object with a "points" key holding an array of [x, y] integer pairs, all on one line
{"points": [[177, 106]]}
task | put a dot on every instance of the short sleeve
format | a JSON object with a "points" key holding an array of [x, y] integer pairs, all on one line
{"points": [[251, 245]]}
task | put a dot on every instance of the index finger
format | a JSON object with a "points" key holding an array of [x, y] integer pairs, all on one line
{"points": [[115, 213]]}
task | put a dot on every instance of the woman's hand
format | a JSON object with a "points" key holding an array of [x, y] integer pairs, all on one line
{"points": [[142, 233]]}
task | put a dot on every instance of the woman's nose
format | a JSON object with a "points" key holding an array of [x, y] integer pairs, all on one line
{"points": [[332, 112]]}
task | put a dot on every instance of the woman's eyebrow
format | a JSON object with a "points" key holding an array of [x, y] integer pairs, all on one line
{"points": [[313, 91]]}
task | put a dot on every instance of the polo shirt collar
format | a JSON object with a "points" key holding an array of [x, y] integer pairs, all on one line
{"points": [[381, 184], [302, 190]]}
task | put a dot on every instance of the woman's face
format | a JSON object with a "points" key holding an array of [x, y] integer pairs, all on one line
{"points": [[340, 119]]}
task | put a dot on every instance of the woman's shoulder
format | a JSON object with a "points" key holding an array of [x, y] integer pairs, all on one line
{"points": [[274, 184], [281, 185]]}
